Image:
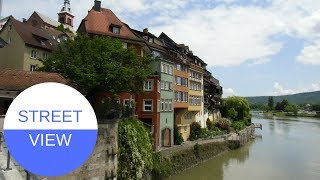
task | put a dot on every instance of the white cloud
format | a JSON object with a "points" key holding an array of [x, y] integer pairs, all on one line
{"points": [[228, 92], [279, 89], [223, 34], [310, 54]]}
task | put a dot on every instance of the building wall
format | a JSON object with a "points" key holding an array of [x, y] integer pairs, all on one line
{"points": [[167, 117], [28, 60], [184, 131], [13, 53]]}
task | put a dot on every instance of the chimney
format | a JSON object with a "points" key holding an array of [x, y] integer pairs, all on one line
{"points": [[24, 20], [97, 5], [145, 30]]}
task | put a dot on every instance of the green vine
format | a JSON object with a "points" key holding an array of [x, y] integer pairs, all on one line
{"points": [[135, 147]]}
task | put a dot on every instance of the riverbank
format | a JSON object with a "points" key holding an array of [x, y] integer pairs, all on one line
{"points": [[175, 160], [286, 114]]}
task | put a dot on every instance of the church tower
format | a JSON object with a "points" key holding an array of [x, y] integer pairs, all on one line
{"points": [[65, 15]]}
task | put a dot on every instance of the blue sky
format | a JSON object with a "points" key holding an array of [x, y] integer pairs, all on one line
{"points": [[255, 47]]}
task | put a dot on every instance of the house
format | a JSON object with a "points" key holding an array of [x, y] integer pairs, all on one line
{"points": [[65, 18], [212, 97], [25, 45], [164, 67], [33, 39], [3, 21], [103, 22], [12, 82], [183, 118]]}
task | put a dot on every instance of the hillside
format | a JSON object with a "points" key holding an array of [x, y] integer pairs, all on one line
{"points": [[301, 98]]}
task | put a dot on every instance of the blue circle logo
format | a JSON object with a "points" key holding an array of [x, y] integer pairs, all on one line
{"points": [[50, 129]]}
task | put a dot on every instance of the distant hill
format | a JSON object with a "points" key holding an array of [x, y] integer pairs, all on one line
{"points": [[301, 98]]}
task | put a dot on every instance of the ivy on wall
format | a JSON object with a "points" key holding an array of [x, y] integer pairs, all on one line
{"points": [[135, 149]]}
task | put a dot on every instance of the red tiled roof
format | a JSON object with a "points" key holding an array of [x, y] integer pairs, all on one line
{"points": [[18, 80], [31, 35], [98, 22]]}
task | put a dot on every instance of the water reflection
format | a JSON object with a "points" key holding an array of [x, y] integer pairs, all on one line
{"points": [[288, 149], [215, 168]]}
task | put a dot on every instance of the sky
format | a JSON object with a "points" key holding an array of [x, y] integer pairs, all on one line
{"points": [[254, 47]]}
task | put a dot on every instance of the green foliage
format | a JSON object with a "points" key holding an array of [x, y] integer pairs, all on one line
{"points": [[135, 157], [236, 104], [62, 29], [260, 107], [195, 131], [239, 125], [99, 64], [224, 124], [177, 136], [270, 103], [162, 167], [292, 108], [197, 149], [315, 107], [302, 98], [232, 114]]}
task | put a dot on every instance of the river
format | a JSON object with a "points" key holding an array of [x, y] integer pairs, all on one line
{"points": [[285, 149]]}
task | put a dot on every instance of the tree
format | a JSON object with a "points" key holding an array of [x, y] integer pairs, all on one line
{"points": [[99, 64], [284, 103], [270, 103], [278, 106], [239, 104], [232, 114]]}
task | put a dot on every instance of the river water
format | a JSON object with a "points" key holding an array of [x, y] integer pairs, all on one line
{"points": [[286, 149]]}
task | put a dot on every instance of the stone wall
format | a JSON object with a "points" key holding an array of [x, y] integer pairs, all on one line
{"points": [[103, 162]]}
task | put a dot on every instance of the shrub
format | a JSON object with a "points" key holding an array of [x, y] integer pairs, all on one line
{"points": [[224, 124], [205, 133], [209, 124], [177, 136], [195, 131], [238, 125], [162, 167], [197, 149], [135, 147]]}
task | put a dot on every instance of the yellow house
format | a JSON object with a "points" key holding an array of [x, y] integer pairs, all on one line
{"points": [[25, 46]]}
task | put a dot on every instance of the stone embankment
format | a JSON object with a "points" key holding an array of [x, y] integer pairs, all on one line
{"points": [[193, 153]]}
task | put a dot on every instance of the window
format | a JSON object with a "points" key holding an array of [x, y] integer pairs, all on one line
{"points": [[166, 69], [148, 85], [181, 96], [195, 86], [170, 70], [166, 105], [166, 85], [178, 67], [115, 30], [32, 67], [34, 54], [151, 40], [147, 105], [178, 80], [45, 56], [195, 100]]}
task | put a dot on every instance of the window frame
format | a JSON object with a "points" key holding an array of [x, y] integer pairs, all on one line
{"points": [[150, 86], [147, 105], [33, 54]]}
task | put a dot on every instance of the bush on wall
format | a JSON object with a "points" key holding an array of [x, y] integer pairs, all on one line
{"points": [[135, 150]]}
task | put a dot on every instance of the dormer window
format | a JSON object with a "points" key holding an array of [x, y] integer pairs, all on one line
{"points": [[115, 30], [151, 40]]}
